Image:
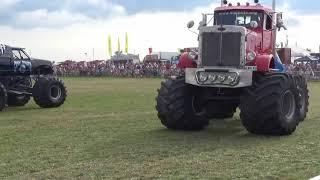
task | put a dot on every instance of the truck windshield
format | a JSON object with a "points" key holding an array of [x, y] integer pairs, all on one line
{"points": [[239, 18]]}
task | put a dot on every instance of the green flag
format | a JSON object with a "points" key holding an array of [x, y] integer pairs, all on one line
{"points": [[110, 46], [127, 44], [119, 48]]}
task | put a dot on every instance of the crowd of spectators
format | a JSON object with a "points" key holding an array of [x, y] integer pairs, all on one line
{"points": [[153, 69], [309, 71], [116, 69]]}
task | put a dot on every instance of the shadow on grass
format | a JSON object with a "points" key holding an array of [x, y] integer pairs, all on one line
{"points": [[216, 129], [21, 109], [219, 135], [141, 141]]}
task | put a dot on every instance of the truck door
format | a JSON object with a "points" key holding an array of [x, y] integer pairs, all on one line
{"points": [[267, 36], [21, 62]]}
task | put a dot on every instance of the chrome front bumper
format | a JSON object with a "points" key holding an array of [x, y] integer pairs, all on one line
{"points": [[219, 77]]}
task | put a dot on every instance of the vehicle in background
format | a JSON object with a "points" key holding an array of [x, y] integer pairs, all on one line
{"points": [[22, 77]]}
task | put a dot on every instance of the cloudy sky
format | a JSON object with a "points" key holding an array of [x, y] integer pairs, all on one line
{"points": [[67, 29]]}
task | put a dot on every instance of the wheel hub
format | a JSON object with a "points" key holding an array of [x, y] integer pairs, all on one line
{"points": [[55, 92]]}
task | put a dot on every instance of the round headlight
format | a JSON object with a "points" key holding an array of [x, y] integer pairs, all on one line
{"points": [[231, 78], [203, 77], [221, 78], [192, 55], [251, 56], [212, 77]]}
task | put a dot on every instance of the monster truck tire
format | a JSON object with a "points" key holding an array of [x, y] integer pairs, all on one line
{"points": [[303, 97], [3, 97], [221, 110], [18, 100], [177, 106], [49, 92], [269, 107]]}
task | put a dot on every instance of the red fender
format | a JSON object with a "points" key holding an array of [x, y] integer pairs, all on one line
{"points": [[264, 63], [186, 62]]}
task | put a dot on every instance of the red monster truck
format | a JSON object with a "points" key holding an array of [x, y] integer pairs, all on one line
{"points": [[236, 66]]}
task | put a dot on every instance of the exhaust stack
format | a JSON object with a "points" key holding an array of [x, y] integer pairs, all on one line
{"points": [[274, 5], [275, 28]]}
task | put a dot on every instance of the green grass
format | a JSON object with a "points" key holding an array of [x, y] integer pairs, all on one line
{"points": [[108, 129]]}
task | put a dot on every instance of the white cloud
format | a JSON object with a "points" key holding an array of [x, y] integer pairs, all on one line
{"points": [[73, 12], [302, 28], [44, 18], [164, 31], [106, 5], [95, 8], [8, 3]]}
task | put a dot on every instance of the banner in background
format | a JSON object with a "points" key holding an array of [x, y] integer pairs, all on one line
{"points": [[119, 44], [110, 46], [127, 44]]}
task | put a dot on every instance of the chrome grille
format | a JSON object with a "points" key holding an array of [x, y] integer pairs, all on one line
{"points": [[221, 49]]}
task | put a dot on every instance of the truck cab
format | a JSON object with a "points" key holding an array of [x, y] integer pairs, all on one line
{"points": [[258, 23], [238, 41], [15, 61]]}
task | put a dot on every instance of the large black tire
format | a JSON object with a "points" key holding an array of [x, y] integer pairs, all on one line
{"points": [[269, 107], [49, 92], [221, 109], [303, 97], [177, 106], [18, 100], [3, 97]]}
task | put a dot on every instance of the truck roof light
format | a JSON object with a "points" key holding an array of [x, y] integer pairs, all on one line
{"points": [[225, 2], [230, 4], [248, 4], [238, 4]]}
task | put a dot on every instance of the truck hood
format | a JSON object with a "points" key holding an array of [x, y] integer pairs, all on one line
{"points": [[40, 62]]}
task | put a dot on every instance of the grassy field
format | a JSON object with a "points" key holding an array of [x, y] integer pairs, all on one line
{"points": [[108, 129]]}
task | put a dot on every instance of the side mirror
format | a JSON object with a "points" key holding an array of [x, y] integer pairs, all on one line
{"points": [[280, 23], [254, 24], [190, 24]]}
